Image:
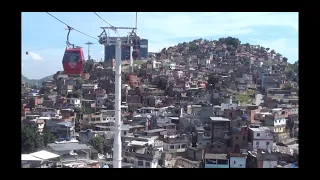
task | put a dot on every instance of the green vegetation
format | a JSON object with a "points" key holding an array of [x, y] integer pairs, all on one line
{"points": [[99, 143], [292, 72], [230, 41], [244, 98], [32, 140]]}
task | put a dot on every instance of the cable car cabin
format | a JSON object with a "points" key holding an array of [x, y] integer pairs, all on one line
{"points": [[73, 61]]}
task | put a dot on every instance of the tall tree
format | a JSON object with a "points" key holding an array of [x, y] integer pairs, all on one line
{"points": [[31, 140], [98, 143]]}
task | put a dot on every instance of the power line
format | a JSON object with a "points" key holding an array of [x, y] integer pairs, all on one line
{"points": [[71, 27]]}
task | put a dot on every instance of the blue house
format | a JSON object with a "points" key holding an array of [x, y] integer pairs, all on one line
{"points": [[216, 161], [238, 160]]}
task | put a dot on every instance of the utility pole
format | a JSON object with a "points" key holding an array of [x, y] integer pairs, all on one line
{"points": [[117, 41], [89, 43]]}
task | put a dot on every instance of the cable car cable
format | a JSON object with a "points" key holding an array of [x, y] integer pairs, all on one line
{"points": [[114, 29], [71, 26]]}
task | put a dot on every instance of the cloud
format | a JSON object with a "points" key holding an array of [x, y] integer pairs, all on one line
{"points": [[163, 29], [286, 47], [174, 25], [35, 56]]}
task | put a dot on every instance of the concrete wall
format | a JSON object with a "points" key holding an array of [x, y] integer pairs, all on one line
{"points": [[238, 162]]}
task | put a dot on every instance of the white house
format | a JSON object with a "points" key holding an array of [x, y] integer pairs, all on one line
{"points": [[76, 102], [237, 160], [261, 138]]}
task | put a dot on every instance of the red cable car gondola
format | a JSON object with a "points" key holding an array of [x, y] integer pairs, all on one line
{"points": [[73, 58]]}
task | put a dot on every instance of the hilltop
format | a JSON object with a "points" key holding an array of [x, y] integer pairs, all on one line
{"points": [[203, 48], [35, 81]]}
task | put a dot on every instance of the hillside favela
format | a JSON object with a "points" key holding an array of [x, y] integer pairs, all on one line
{"points": [[204, 102]]}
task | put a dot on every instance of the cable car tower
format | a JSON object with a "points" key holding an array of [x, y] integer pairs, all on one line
{"points": [[128, 40]]}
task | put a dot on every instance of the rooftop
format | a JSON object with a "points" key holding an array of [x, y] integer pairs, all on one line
{"points": [[28, 157], [259, 129], [215, 156], [45, 155], [138, 143], [68, 146], [219, 119], [155, 130]]}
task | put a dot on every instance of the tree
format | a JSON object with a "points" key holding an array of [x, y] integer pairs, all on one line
{"points": [[88, 66], [31, 140], [48, 137], [77, 94], [267, 49], [272, 51], [290, 73], [98, 143], [193, 47], [285, 59], [247, 45], [162, 83], [235, 42], [212, 80]]}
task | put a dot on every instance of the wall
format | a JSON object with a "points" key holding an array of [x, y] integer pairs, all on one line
{"points": [[238, 162], [217, 165], [280, 122], [269, 164], [262, 144], [137, 163], [262, 135], [178, 147]]}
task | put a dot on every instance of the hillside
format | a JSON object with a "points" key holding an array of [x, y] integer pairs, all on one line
{"points": [[35, 81], [203, 48]]}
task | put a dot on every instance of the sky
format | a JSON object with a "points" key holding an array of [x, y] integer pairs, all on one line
{"points": [[45, 38]]}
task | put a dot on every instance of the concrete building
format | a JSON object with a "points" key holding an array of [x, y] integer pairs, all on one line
{"points": [[216, 161], [109, 51]]}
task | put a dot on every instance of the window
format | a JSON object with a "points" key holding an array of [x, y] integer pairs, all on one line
{"points": [[183, 146], [267, 143], [140, 163], [257, 143], [234, 162], [71, 57], [237, 137], [171, 147], [147, 164], [258, 134], [244, 138]]}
